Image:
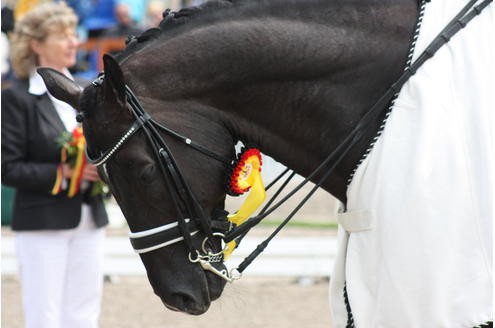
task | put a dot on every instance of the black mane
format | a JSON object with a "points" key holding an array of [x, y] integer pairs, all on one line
{"points": [[176, 22]]}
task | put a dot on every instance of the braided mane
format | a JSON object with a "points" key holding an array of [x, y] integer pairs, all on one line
{"points": [[171, 20]]}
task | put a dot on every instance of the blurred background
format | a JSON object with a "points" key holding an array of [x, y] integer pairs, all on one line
{"points": [[103, 26]]}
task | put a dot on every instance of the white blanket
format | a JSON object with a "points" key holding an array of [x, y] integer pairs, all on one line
{"points": [[416, 240]]}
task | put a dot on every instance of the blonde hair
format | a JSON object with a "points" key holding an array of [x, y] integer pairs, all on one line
{"points": [[37, 24]]}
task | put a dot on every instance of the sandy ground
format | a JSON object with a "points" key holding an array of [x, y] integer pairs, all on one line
{"points": [[252, 302], [129, 302]]}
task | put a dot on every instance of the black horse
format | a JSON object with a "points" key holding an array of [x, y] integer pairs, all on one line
{"points": [[293, 77]]}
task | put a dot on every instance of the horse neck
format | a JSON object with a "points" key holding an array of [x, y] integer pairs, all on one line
{"points": [[295, 85]]}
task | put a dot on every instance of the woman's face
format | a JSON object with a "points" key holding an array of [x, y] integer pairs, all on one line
{"points": [[58, 50]]}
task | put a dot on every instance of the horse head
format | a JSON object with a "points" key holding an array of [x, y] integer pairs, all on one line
{"points": [[158, 199]]}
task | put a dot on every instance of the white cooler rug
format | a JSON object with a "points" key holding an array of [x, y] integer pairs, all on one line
{"points": [[416, 238]]}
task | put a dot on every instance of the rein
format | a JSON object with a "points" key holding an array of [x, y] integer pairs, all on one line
{"points": [[191, 215]]}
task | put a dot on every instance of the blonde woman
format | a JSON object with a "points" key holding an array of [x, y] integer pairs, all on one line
{"points": [[58, 237]]}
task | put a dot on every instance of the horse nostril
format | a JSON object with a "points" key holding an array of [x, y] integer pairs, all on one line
{"points": [[187, 303]]}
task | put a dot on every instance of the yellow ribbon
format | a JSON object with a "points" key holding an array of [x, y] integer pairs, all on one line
{"points": [[79, 142], [75, 181], [254, 199]]}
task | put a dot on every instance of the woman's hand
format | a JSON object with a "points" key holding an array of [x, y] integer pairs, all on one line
{"points": [[90, 173], [67, 171]]}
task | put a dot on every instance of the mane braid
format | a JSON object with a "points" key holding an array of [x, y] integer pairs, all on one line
{"points": [[171, 20]]}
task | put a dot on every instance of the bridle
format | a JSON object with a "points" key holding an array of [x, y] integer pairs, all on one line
{"points": [[191, 217]]}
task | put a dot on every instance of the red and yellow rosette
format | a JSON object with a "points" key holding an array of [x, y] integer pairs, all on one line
{"points": [[243, 171], [245, 176], [78, 143]]}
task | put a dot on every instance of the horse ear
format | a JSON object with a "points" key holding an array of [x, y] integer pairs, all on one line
{"points": [[61, 87], [114, 79]]}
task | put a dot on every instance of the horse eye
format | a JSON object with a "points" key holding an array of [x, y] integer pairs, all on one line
{"points": [[147, 174]]}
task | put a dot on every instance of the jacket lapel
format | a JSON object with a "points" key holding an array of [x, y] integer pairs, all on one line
{"points": [[47, 110]]}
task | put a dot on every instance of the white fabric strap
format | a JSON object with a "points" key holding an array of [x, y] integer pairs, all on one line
{"points": [[149, 232], [153, 231], [164, 244], [355, 221]]}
